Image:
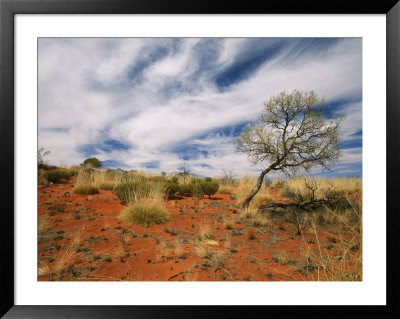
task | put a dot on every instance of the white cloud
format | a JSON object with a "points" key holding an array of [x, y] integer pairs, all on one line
{"points": [[85, 88]]}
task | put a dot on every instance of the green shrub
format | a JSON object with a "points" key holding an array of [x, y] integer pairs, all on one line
{"points": [[174, 179], [145, 212], [85, 190], [208, 179], [43, 166], [186, 190], [171, 189], [93, 162], [56, 174], [197, 188], [209, 187]]}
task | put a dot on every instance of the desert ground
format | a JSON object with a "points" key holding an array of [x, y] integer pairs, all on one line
{"points": [[83, 237]]}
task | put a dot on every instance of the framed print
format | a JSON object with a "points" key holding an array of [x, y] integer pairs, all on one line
{"points": [[196, 156]]}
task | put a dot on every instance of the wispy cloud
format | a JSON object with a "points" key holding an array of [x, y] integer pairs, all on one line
{"points": [[155, 103]]}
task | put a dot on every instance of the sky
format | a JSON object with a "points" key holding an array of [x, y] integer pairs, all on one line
{"points": [[156, 103]]}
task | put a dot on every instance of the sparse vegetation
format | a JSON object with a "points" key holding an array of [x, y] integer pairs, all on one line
{"points": [[308, 189], [146, 211], [55, 175], [320, 217], [86, 190]]}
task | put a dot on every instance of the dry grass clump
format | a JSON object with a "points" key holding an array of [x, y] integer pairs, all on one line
{"points": [[44, 269], [190, 275], [202, 250], [107, 179], [146, 211], [249, 212], [85, 184], [341, 260], [125, 239], [62, 260], [228, 222], [179, 251], [206, 232], [246, 184], [85, 190], [137, 190], [260, 221], [305, 188], [43, 225], [163, 251], [225, 190], [76, 239], [146, 204]]}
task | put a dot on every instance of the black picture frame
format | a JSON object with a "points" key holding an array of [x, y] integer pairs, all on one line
{"points": [[8, 8]]}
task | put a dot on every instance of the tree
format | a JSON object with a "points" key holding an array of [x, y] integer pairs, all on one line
{"points": [[210, 187], [92, 161], [41, 153], [184, 172], [291, 135]]}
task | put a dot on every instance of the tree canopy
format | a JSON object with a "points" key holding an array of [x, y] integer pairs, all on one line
{"points": [[92, 161], [291, 134]]}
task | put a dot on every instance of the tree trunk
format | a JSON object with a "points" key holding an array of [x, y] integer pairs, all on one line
{"points": [[256, 188]]}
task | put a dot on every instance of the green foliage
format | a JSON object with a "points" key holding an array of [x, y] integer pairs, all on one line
{"points": [[55, 175], [186, 190], [43, 166], [209, 187], [92, 161], [199, 188], [208, 179], [85, 190], [174, 179], [171, 189]]}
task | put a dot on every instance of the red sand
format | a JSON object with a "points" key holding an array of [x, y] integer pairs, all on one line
{"points": [[275, 254]]}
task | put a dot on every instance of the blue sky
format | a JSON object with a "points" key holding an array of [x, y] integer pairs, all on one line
{"points": [[156, 103]]}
